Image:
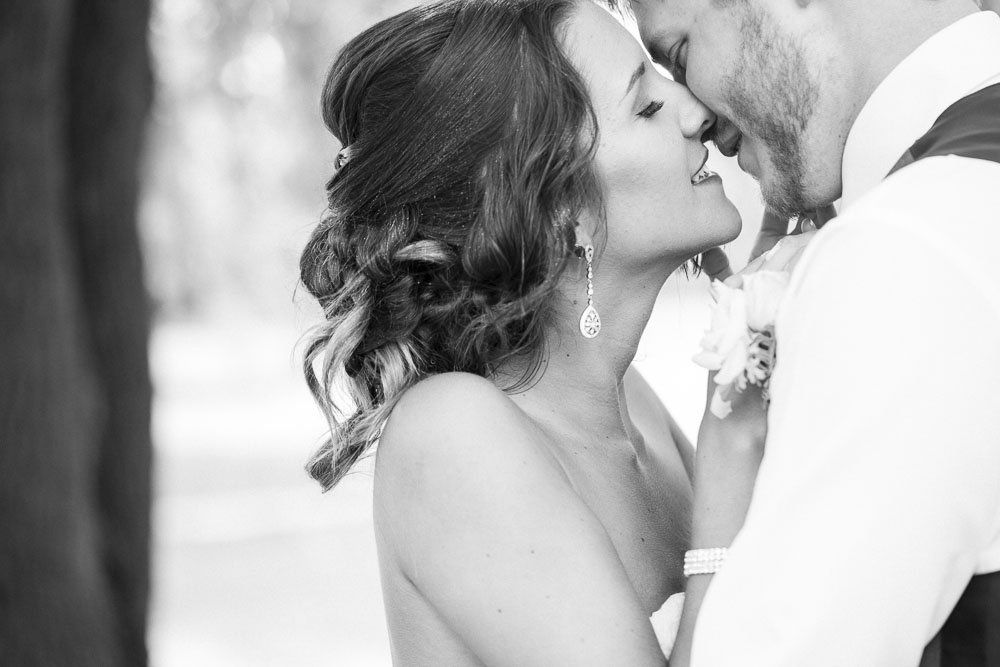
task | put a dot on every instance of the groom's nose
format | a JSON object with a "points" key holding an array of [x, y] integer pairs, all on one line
{"points": [[707, 126], [698, 120]]}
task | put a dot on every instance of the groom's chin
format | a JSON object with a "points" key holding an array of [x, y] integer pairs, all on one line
{"points": [[793, 192], [785, 197]]}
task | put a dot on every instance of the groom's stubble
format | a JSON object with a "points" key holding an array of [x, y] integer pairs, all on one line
{"points": [[773, 98]]}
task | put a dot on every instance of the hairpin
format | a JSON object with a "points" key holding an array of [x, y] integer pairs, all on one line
{"points": [[343, 157]]}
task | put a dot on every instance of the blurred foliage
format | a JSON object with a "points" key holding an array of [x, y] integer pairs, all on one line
{"points": [[237, 154]]}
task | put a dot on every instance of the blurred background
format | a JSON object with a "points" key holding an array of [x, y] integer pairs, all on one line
{"points": [[250, 563]]}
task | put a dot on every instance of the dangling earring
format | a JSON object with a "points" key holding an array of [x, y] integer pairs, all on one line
{"points": [[590, 321]]}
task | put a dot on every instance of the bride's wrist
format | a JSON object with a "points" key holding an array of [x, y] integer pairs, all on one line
{"points": [[718, 471], [722, 438]]}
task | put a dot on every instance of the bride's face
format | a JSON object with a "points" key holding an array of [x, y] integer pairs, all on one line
{"points": [[659, 206]]}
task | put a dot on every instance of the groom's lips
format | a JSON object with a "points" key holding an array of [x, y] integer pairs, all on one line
{"points": [[729, 145], [727, 138]]}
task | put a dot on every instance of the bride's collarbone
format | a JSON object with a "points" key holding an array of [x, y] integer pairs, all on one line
{"points": [[635, 457], [632, 477], [636, 486], [643, 501], [627, 477]]}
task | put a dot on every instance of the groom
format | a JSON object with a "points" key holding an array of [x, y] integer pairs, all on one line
{"points": [[875, 523]]}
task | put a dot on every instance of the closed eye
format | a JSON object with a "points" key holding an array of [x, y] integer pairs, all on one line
{"points": [[675, 62], [650, 110]]}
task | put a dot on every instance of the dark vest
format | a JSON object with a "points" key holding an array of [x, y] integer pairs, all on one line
{"points": [[971, 635]]}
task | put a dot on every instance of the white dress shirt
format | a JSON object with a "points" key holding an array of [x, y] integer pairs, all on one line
{"points": [[879, 494]]}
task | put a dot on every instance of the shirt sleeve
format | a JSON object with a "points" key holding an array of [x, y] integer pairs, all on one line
{"points": [[880, 486]]}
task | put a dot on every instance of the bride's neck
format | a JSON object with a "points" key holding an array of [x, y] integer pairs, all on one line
{"points": [[578, 385]]}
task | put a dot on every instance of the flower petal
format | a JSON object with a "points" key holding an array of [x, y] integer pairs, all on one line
{"points": [[708, 360], [734, 361], [764, 291], [720, 407]]}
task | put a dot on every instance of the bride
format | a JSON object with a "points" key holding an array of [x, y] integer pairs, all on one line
{"points": [[517, 182]]}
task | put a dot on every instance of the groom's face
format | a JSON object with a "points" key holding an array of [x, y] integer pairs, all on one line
{"points": [[739, 60]]}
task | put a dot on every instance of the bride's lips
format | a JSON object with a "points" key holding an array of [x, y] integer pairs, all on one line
{"points": [[704, 161], [702, 174]]}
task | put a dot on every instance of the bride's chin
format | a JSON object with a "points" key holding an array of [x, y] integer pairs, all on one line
{"points": [[724, 236], [730, 231]]}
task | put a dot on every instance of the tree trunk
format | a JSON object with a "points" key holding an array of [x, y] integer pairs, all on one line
{"points": [[74, 383]]}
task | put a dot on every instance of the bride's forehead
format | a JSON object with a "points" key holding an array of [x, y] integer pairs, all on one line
{"points": [[597, 37], [601, 47]]}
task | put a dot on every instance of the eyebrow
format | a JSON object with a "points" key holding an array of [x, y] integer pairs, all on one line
{"points": [[636, 75]]}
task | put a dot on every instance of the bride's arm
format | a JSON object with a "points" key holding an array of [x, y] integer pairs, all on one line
{"points": [[729, 454], [727, 459]]}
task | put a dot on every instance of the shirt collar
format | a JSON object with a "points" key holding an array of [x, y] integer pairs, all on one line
{"points": [[955, 62]]}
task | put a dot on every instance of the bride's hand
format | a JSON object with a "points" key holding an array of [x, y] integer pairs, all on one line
{"points": [[774, 228], [774, 251], [715, 264], [783, 256]]}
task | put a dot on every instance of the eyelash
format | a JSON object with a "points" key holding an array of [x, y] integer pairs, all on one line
{"points": [[650, 109]]}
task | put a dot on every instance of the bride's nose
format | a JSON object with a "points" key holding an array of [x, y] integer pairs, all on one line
{"points": [[696, 119]]}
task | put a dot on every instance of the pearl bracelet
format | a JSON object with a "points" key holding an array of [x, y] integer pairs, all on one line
{"points": [[704, 561]]}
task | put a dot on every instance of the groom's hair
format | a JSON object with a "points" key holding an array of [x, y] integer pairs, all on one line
{"points": [[471, 139], [626, 5], [623, 7]]}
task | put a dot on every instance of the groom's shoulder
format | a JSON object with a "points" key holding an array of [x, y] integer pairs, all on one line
{"points": [[931, 224], [947, 202], [940, 184]]}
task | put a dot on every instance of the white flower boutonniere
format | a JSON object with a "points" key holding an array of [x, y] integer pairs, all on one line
{"points": [[740, 342]]}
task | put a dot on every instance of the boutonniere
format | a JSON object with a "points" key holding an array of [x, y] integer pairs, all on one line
{"points": [[740, 342]]}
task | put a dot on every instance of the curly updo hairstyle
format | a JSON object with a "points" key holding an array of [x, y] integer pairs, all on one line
{"points": [[471, 140]]}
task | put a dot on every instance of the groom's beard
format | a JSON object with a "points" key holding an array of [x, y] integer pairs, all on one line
{"points": [[773, 98]]}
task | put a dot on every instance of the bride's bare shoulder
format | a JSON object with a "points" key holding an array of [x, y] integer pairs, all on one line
{"points": [[447, 408], [441, 395], [458, 464], [454, 426]]}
